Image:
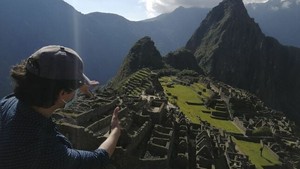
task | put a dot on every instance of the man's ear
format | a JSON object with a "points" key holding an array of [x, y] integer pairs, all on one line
{"points": [[63, 95], [62, 92]]}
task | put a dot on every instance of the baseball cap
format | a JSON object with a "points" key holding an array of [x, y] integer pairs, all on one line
{"points": [[57, 63]]}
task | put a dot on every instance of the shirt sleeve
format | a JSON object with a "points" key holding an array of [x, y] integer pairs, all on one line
{"points": [[62, 157], [55, 154], [86, 159]]}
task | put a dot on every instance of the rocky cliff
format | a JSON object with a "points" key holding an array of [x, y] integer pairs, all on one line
{"points": [[231, 47]]}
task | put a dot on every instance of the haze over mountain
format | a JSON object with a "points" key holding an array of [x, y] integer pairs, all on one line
{"points": [[279, 19], [231, 47], [103, 40], [29, 25]]}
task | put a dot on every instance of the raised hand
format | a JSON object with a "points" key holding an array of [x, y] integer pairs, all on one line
{"points": [[111, 142], [115, 122]]}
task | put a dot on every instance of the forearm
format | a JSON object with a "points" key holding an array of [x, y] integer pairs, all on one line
{"points": [[110, 143]]}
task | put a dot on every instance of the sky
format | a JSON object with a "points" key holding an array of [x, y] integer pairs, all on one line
{"points": [[136, 10]]}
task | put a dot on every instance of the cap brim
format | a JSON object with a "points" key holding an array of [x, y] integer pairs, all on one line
{"points": [[89, 82]]}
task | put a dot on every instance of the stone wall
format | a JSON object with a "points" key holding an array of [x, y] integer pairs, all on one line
{"points": [[154, 163], [160, 146], [157, 111], [239, 123], [139, 135], [100, 124], [79, 136], [89, 116]]}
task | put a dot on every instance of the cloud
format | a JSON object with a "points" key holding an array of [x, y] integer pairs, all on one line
{"points": [[255, 1], [156, 7], [274, 8], [286, 4]]}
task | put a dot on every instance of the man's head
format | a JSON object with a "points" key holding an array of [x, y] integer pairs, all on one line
{"points": [[56, 63], [41, 78]]}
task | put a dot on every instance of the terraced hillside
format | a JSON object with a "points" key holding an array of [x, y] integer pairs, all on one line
{"points": [[192, 101], [200, 103], [139, 82], [182, 122]]}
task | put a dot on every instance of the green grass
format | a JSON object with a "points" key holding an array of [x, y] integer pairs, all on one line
{"points": [[252, 150], [195, 112], [199, 87], [165, 80]]}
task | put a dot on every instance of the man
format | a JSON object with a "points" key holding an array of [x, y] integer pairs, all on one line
{"points": [[47, 80]]}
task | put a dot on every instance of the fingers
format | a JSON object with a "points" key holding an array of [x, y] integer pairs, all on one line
{"points": [[116, 111], [94, 83], [115, 123]]}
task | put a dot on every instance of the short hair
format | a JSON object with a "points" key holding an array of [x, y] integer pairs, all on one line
{"points": [[37, 91]]}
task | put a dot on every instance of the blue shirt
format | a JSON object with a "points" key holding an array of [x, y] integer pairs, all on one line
{"points": [[29, 140]]}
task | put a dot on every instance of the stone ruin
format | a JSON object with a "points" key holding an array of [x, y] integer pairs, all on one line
{"points": [[250, 114], [157, 135], [154, 134]]}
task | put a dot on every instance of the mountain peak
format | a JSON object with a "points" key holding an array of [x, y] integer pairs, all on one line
{"points": [[227, 31], [142, 55], [145, 53], [229, 15], [231, 47], [230, 8], [232, 3]]}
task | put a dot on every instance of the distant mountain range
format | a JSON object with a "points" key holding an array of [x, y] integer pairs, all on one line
{"points": [[279, 19], [103, 40], [230, 47]]}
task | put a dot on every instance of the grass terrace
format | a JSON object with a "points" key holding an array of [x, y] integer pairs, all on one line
{"points": [[182, 95], [137, 82], [253, 151]]}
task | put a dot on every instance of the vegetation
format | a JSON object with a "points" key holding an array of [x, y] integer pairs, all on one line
{"points": [[262, 131], [136, 83], [198, 93], [182, 59], [167, 71], [180, 95], [253, 151], [187, 72]]}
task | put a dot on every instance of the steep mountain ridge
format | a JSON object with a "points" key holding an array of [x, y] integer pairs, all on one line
{"points": [[230, 46]]}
